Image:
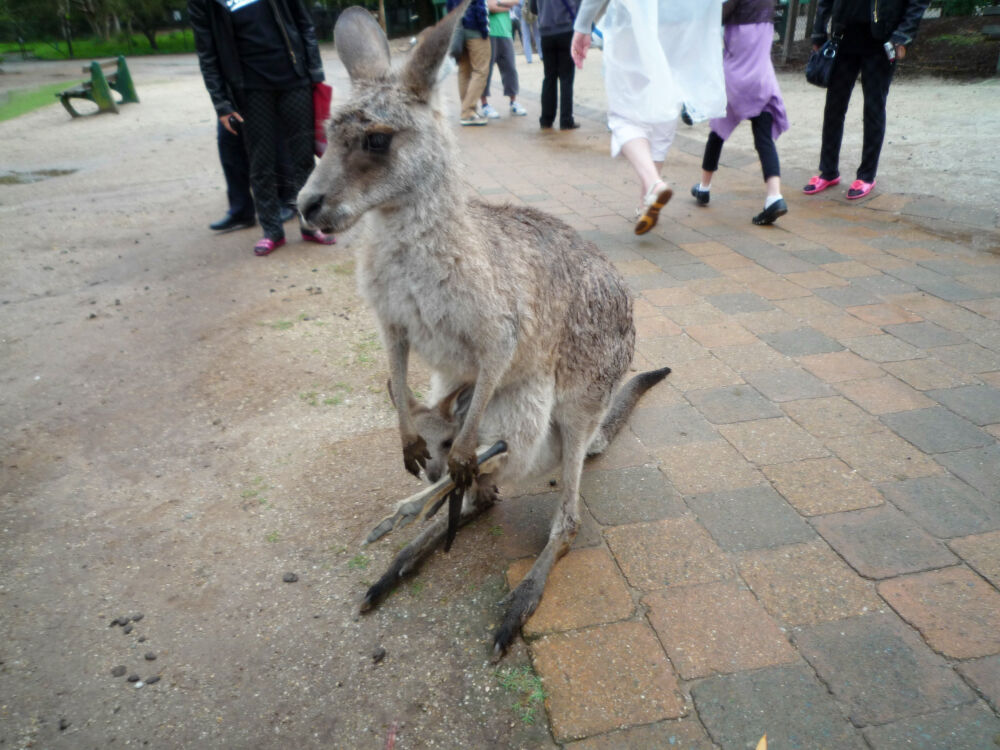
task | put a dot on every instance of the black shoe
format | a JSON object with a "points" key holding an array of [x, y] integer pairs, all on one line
{"points": [[230, 223], [545, 125], [571, 125], [702, 196], [771, 213], [287, 212], [685, 117]]}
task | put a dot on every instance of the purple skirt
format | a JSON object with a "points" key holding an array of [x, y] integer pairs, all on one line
{"points": [[751, 86]]}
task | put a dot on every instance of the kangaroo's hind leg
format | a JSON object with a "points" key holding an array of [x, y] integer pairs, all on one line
{"points": [[478, 498], [524, 599]]}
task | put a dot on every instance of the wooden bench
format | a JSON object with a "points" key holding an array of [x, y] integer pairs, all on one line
{"points": [[98, 88]]}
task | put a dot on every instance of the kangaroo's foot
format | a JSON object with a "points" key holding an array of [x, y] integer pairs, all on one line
{"points": [[422, 504], [523, 602], [415, 455]]}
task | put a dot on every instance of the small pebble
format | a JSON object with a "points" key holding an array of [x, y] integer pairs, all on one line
{"points": [[63, 724], [118, 671], [378, 655], [133, 678], [139, 684], [150, 656], [153, 680], [142, 639], [127, 629], [138, 616], [290, 578]]}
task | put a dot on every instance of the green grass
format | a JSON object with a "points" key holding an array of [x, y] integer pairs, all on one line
{"points": [[526, 688], [959, 40], [168, 43], [22, 102], [358, 562]]}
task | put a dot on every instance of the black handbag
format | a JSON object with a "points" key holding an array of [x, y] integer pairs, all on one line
{"points": [[821, 62]]}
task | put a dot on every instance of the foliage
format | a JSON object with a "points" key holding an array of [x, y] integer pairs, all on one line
{"points": [[959, 7], [120, 44], [526, 687]]}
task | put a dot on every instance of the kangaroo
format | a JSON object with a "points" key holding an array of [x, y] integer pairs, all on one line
{"points": [[504, 297]]}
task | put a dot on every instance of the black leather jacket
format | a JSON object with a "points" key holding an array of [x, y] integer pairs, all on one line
{"points": [[219, 60], [891, 20], [741, 12]]}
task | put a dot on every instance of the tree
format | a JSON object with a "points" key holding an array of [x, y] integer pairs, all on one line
{"points": [[147, 15]]}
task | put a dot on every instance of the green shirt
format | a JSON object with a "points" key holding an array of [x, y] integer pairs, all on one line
{"points": [[500, 25]]}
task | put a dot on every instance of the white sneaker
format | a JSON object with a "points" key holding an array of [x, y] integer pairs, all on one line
{"points": [[489, 112], [475, 119], [517, 110]]}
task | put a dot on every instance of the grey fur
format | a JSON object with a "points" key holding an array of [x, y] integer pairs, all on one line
{"points": [[505, 297]]}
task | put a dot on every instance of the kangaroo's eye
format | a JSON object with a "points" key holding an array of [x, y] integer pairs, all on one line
{"points": [[377, 143], [446, 444]]}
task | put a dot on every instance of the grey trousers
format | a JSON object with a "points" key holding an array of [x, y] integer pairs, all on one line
{"points": [[503, 56]]}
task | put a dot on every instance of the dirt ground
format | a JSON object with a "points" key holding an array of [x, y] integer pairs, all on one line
{"points": [[183, 424]]}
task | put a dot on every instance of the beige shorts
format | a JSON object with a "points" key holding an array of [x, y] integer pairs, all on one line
{"points": [[659, 134]]}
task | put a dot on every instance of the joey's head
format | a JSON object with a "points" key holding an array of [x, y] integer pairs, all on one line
{"points": [[439, 425], [389, 145]]}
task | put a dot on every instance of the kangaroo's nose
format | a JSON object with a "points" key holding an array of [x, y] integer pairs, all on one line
{"points": [[309, 206]]}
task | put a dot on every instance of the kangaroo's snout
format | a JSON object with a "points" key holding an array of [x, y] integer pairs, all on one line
{"points": [[310, 205]]}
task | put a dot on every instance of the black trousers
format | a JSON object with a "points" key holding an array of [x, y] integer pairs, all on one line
{"points": [[269, 115], [762, 141], [236, 169], [559, 74], [858, 53]]}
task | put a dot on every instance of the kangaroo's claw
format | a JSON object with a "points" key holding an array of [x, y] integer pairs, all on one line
{"points": [[524, 600], [415, 456], [421, 505]]}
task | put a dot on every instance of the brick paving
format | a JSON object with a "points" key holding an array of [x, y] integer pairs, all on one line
{"points": [[799, 531]]}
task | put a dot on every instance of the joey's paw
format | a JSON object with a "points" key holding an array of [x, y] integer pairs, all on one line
{"points": [[463, 469], [415, 455]]}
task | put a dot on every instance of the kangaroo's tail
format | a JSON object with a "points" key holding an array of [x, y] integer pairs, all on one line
{"points": [[625, 400]]}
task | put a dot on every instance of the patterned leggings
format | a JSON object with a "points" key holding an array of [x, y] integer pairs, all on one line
{"points": [[267, 116]]}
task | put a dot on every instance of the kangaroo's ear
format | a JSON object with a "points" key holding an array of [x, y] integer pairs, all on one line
{"points": [[412, 402], [420, 72], [361, 44]]}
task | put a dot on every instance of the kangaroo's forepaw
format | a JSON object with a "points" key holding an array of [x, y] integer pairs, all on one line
{"points": [[463, 470], [415, 455], [524, 600]]}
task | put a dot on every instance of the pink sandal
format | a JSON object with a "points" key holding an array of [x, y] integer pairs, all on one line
{"points": [[859, 189], [315, 235], [266, 246], [817, 185]]}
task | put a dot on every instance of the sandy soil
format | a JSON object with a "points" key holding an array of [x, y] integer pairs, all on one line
{"points": [[184, 424]]}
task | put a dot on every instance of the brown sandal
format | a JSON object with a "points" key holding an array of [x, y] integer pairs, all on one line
{"points": [[657, 197]]}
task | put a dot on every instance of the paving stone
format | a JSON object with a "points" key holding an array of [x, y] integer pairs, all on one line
{"points": [[884, 285], [936, 430], [843, 327], [706, 467], [951, 290], [967, 358], [656, 327], [788, 384], [625, 450], [963, 728], [700, 313], [816, 279], [820, 256], [925, 335], [883, 314], [671, 297], [721, 285], [982, 553], [883, 456], [787, 703], [525, 523], [690, 271], [752, 357], [980, 467], [716, 628], [944, 506], [605, 678], [736, 403], [803, 584], [801, 342], [772, 441], [584, 588], [704, 372], [671, 350], [630, 495], [701, 249], [727, 333], [684, 734], [639, 282], [672, 552], [749, 518], [853, 295], [768, 321], [977, 403], [884, 395], [850, 269], [741, 302], [831, 417], [658, 426], [956, 611], [822, 485], [879, 669], [928, 374], [837, 367], [984, 676], [884, 348], [989, 339], [882, 542]]}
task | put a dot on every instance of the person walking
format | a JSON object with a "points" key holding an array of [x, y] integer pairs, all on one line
{"points": [[529, 29], [555, 24], [502, 48], [874, 35], [659, 56], [474, 61], [259, 59], [752, 93]]}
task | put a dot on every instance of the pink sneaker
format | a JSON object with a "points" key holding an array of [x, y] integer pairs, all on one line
{"points": [[315, 235], [817, 185], [859, 189], [266, 246]]}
